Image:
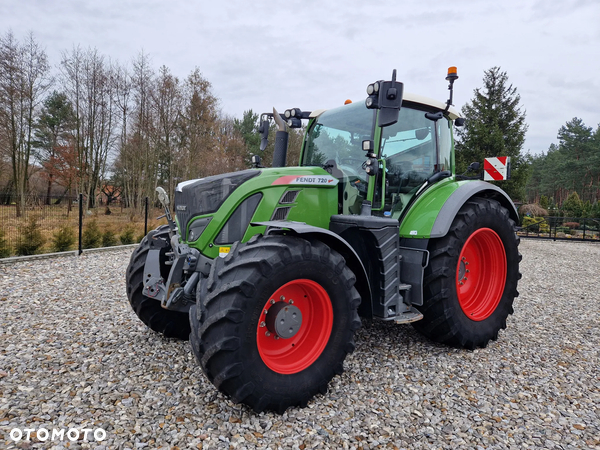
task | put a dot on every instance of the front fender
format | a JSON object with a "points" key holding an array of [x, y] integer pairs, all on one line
{"points": [[334, 241]]}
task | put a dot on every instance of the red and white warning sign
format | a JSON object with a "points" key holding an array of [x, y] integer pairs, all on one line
{"points": [[497, 168]]}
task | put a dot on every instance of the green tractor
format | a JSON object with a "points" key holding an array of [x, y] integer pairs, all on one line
{"points": [[267, 270]]}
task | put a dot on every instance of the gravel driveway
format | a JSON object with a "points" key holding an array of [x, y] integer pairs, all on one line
{"points": [[73, 355]]}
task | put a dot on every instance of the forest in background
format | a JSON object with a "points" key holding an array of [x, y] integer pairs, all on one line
{"points": [[114, 130], [567, 176], [109, 129]]}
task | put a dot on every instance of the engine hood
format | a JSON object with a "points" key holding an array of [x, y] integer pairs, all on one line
{"points": [[206, 195]]}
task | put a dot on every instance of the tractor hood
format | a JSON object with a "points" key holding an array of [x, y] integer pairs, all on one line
{"points": [[205, 195]]}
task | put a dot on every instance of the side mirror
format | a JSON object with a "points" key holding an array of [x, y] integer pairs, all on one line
{"points": [[459, 121], [263, 129], [474, 166]]}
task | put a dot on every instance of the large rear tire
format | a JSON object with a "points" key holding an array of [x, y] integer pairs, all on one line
{"points": [[471, 281], [276, 321], [171, 324]]}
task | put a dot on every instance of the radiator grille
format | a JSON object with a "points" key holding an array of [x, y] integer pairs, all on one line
{"points": [[204, 196]]}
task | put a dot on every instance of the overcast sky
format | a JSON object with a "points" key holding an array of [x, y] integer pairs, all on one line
{"points": [[314, 55]]}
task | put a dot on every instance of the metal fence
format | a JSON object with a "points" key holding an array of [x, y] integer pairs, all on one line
{"points": [[54, 224], [561, 228], [60, 224]]}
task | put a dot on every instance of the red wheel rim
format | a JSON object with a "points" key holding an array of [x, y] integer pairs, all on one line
{"points": [[481, 274], [292, 355]]}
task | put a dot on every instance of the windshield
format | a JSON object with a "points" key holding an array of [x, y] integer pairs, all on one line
{"points": [[334, 141], [338, 134], [408, 147]]}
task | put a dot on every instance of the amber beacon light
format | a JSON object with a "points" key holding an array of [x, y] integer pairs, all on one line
{"points": [[452, 75]]}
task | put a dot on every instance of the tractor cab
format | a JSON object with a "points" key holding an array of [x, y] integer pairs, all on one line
{"points": [[407, 153]]}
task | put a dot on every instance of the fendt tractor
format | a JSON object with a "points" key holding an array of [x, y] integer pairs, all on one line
{"points": [[267, 270]]}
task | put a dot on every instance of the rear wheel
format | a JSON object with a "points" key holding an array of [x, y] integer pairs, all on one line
{"points": [[276, 321], [472, 277], [171, 324]]}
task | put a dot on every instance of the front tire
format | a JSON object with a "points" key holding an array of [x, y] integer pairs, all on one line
{"points": [[272, 362], [471, 281], [171, 324]]}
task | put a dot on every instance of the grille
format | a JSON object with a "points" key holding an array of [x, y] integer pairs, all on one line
{"points": [[236, 226], [289, 197], [281, 213]]}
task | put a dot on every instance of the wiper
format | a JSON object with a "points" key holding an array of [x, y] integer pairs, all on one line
{"points": [[439, 176], [433, 179]]}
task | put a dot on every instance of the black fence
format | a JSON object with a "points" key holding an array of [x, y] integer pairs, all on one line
{"points": [[561, 228], [56, 224]]}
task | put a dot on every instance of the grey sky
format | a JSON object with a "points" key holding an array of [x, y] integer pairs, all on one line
{"points": [[315, 55]]}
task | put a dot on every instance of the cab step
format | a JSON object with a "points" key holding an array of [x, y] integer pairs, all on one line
{"points": [[408, 316]]}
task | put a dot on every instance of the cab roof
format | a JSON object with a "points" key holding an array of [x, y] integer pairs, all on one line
{"points": [[413, 98]]}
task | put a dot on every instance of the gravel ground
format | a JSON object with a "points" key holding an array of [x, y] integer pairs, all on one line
{"points": [[74, 355]]}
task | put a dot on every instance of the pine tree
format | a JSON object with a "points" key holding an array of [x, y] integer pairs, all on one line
{"points": [[248, 129], [495, 126]]}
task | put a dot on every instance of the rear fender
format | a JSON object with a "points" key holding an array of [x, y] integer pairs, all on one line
{"points": [[461, 195], [433, 212]]}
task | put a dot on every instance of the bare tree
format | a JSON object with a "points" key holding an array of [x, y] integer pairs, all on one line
{"points": [[88, 81], [24, 78], [166, 104], [199, 127], [230, 145]]}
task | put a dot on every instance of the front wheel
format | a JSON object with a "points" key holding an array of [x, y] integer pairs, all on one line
{"points": [[471, 281], [275, 321], [171, 324]]}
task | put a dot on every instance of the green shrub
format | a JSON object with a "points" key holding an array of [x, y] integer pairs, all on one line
{"points": [[573, 206], [535, 224], [4, 247], [92, 236], [108, 238], [531, 224], [63, 239], [30, 238], [127, 236]]}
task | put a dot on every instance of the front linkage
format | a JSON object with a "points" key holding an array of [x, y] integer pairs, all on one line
{"points": [[178, 292]]}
